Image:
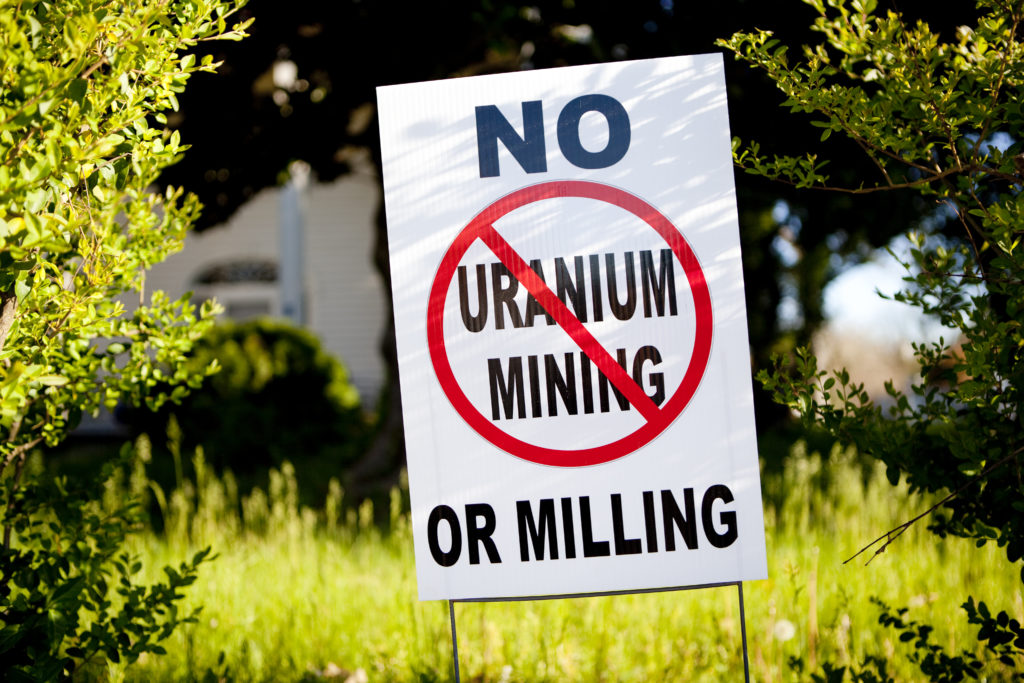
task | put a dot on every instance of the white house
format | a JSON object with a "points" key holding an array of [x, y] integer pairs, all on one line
{"points": [[305, 253]]}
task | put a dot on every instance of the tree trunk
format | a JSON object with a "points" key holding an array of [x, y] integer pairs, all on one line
{"points": [[378, 470]]}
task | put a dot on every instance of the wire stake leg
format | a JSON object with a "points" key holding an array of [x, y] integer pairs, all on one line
{"points": [[455, 639], [743, 631]]}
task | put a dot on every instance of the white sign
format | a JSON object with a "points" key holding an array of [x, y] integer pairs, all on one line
{"points": [[571, 327]]}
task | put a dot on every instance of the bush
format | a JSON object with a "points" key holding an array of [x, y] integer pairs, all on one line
{"points": [[71, 594], [944, 121], [84, 93], [278, 396]]}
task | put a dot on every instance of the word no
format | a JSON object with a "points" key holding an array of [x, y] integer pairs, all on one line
{"points": [[529, 150]]}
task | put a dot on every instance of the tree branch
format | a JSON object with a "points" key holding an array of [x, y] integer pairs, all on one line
{"points": [[936, 176], [8, 307], [19, 452], [978, 278], [890, 536]]}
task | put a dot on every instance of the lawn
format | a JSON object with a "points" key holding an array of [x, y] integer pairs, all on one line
{"points": [[297, 594]]}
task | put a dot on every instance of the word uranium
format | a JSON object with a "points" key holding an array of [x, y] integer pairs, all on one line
{"points": [[654, 289]]}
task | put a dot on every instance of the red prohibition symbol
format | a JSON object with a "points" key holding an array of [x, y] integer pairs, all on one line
{"points": [[656, 418]]}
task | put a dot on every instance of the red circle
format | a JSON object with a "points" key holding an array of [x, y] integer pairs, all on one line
{"points": [[669, 410]]}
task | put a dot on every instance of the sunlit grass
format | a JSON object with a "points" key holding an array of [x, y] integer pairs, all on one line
{"points": [[301, 595]]}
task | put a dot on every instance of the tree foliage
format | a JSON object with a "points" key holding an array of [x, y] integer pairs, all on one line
{"points": [[326, 116], [84, 93], [84, 90], [941, 118]]}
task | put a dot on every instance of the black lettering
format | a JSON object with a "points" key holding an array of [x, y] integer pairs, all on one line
{"points": [[474, 323], [588, 385], [534, 369], [623, 545], [443, 512], [650, 525], [603, 384], [503, 393], [533, 307], [569, 289], [560, 385], [531, 530], [591, 548], [656, 282], [568, 533], [655, 287], [595, 287], [672, 516], [650, 353], [553, 379], [620, 310], [504, 296], [475, 535], [727, 518]]}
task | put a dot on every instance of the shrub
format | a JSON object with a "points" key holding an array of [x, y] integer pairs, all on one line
{"points": [[84, 90], [942, 120], [278, 396]]}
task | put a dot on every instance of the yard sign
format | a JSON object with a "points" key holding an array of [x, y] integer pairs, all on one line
{"points": [[572, 337]]}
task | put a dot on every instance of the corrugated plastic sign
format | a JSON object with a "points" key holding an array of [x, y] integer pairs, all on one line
{"points": [[571, 330]]}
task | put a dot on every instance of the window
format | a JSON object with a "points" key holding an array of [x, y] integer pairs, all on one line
{"points": [[247, 288]]}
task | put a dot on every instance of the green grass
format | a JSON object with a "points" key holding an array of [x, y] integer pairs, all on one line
{"points": [[297, 595]]}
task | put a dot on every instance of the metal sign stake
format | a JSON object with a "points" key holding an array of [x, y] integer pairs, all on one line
{"points": [[743, 632], [455, 639]]}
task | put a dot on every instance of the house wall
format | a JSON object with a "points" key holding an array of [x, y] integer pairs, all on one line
{"points": [[344, 296]]}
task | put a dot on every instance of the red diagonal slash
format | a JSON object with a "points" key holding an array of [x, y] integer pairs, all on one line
{"points": [[656, 418], [526, 276]]}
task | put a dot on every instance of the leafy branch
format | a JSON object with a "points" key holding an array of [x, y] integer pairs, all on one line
{"points": [[897, 531], [925, 113]]}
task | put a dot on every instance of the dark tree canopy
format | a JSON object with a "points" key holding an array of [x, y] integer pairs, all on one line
{"points": [[245, 129]]}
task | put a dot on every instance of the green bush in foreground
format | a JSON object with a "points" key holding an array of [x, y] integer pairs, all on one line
{"points": [[70, 600], [84, 85], [939, 117]]}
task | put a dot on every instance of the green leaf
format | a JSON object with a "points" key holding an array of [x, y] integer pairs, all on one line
{"points": [[67, 592], [22, 288], [34, 227], [37, 199], [77, 89], [10, 636]]}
